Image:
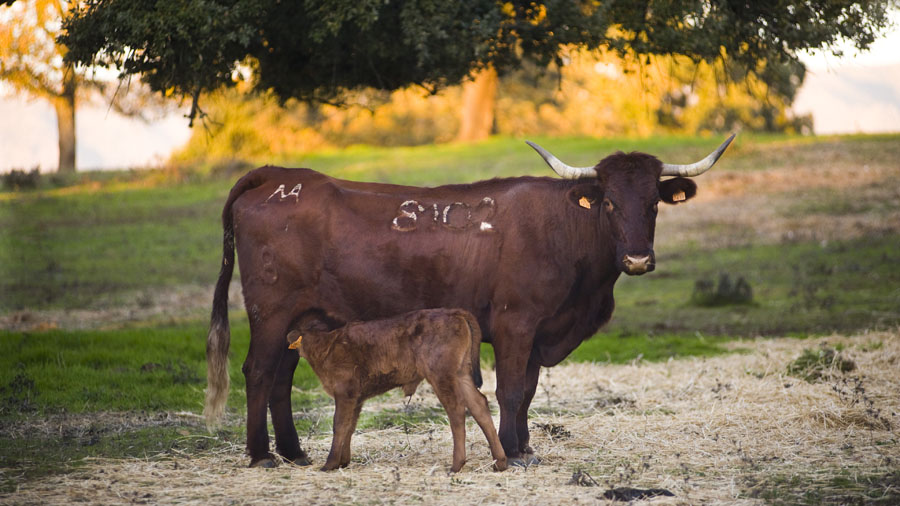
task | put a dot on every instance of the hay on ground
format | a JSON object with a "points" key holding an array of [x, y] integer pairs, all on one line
{"points": [[724, 430]]}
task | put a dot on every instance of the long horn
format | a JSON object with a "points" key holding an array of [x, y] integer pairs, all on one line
{"points": [[695, 169], [564, 171]]}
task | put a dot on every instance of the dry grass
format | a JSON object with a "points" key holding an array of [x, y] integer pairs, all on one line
{"points": [[732, 429], [740, 207]]}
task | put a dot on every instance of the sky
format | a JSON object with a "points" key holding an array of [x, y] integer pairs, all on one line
{"points": [[857, 93]]}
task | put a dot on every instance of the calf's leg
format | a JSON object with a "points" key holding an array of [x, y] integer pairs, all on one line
{"points": [[481, 412], [445, 386], [346, 414]]}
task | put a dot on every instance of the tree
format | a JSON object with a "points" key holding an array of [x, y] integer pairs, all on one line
{"points": [[31, 61], [316, 50], [479, 96]]}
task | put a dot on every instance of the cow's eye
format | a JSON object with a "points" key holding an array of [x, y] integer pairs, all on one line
{"points": [[608, 205]]}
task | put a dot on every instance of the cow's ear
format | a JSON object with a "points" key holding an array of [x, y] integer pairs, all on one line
{"points": [[677, 190], [585, 196]]}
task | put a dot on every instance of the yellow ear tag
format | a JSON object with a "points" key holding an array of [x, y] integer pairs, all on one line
{"points": [[295, 344], [584, 202], [678, 197]]}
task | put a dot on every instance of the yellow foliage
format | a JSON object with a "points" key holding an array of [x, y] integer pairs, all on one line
{"points": [[594, 94], [30, 59]]}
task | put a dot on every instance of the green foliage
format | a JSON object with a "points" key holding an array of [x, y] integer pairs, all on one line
{"points": [[316, 50]]}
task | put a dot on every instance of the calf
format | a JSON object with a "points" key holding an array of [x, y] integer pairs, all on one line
{"points": [[365, 359]]}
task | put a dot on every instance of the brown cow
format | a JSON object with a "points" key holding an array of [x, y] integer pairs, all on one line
{"points": [[534, 259], [365, 359]]}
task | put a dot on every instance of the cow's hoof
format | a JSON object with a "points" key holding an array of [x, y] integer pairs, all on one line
{"points": [[302, 460], [265, 463], [525, 460], [531, 459]]}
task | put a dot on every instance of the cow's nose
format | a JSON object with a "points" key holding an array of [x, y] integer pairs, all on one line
{"points": [[638, 264]]}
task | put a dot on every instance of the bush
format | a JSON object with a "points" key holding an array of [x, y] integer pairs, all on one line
{"points": [[725, 293], [814, 365], [16, 179]]}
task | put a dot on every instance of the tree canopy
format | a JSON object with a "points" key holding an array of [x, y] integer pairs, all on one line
{"points": [[315, 50]]}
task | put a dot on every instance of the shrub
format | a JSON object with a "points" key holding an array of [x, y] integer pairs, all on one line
{"points": [[725, 292], [16, 179]]}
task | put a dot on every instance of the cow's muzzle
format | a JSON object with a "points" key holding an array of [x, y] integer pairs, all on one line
{"points": [[637, 265]]}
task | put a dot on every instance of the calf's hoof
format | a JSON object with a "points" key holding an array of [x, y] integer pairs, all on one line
{"points": [[265, 462], [331, 466], [500, 465]]}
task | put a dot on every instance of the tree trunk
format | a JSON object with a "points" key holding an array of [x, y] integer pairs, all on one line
{"points": [[65, 119], [479, 96]]}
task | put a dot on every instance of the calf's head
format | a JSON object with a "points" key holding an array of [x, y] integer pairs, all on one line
{"points": [[628, 189]]}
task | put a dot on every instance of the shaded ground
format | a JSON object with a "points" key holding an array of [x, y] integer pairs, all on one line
{"points": [[733, 429]]}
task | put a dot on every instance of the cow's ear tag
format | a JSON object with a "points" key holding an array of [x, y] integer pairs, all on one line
{"points": [[585, 203], [296, 344], [679, 197]]}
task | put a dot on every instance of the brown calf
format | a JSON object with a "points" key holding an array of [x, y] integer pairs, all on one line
{"points": [[365, 359]]}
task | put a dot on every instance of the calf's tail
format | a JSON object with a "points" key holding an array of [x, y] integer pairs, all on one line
{"points": [[218, 339], [475, 335]]}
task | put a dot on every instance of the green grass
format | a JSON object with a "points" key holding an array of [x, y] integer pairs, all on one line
{"points": [[798, 288], [155, 368]]}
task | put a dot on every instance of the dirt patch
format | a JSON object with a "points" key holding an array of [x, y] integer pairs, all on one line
{"points": [[733, 429]]}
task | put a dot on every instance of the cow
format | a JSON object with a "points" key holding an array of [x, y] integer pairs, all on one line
{"points": [[535, 259], [363, 359]]}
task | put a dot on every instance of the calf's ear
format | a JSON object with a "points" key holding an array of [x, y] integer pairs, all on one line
{"points": [[585, 196], [293, 339], [677, 190]]}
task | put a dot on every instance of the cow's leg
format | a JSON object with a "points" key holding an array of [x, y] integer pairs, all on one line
{"points": [[287, 444], [346, 414], [267, 347], [532, 373], [512, 347], [481, 412]]}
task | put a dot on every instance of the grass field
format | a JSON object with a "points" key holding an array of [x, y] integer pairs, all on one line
{"points": [[105, 287]]}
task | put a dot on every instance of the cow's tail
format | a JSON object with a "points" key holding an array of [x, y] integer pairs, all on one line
{"points": [[475, 335], [219, 338]]}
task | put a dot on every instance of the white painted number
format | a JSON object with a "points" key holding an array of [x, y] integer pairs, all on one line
{"points": [[295, 192], [453, 216]]}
